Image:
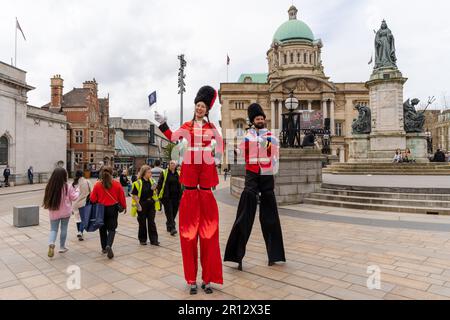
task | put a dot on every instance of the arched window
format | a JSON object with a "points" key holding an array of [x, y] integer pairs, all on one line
{"points": [[3, 151]]}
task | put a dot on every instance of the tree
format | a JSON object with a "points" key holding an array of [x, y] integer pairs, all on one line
{"points": [[168, 151]]}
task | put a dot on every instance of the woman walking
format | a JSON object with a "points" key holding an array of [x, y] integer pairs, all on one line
{"points": [[145, 200], [199, 213], [58, 200], [85, 188], [109, 193], [169, 191]]}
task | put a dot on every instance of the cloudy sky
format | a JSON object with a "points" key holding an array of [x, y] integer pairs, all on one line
{"points": [[131, 46]]}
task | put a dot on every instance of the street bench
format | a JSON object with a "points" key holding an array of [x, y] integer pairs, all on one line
{"points": [[26, 216]]}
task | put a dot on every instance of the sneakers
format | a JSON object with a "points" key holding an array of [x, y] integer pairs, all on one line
{"points": [[173, 232], [109, 252], [193, 289], [63, 250], [51, 251], [207, 288], [80, 236]]}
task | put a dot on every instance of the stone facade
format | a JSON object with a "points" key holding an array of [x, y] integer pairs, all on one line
{"points": [[438, 125], [90, 140], [29, 136], [294, 65]]}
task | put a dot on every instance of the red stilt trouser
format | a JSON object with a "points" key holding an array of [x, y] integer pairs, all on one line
{"points": [[199, 218]]}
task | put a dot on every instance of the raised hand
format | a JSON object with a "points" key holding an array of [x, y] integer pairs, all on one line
{"points": [[160, 118]]}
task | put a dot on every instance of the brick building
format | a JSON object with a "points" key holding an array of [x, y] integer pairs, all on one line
{"points": [[90, 140]]}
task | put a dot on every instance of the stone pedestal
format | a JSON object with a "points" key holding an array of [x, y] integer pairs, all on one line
{"points": [[300, 174], [417, 143], [359, 145]]}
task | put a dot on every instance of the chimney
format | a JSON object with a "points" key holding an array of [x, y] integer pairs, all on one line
{"points": [[56, 85], [91, 85]]}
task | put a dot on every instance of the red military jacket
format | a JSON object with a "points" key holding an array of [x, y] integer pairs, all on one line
{"points": [[199, 141], [260, 151]]}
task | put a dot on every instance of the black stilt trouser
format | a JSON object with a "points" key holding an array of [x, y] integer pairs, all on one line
{"points": [[171, 210], [147, 225], [108, 230], [268, 216]]}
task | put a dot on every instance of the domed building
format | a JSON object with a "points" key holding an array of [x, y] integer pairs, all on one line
{"points": [[294, 66]]}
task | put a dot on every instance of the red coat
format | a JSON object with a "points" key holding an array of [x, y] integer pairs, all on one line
{"points": [[260, 151], [198, 159], [116, 194]]}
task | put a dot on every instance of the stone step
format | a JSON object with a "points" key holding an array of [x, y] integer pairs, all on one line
{"points": [[374, 189], [382, 201], [377, 207], [388, 173], [387, 195]]}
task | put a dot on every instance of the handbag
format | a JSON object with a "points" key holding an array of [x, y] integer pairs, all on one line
{"points": [[119, 207], [92, 216]]}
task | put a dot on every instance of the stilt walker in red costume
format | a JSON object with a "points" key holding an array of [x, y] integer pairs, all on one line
{"points": [[199, 213]]}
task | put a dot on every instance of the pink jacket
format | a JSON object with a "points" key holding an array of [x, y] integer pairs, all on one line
{"points": [[65, 208]]}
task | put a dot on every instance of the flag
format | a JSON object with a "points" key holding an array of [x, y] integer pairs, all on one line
{"points": [[228, 60], [152, 98], [18, 27], [371, 60]]}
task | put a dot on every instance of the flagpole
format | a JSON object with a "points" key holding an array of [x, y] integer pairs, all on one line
{"points": [[15, 52]]}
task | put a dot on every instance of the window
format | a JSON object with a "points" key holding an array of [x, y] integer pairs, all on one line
{"points": [[152, 134], [298, 58], [78, 157], [292, 58], [99, 137], [92, 136], [339, 129], [285, 59], [111, 140], [3, 150], [304, 58], [79, 136], [240, 129], [310, 59], [239, 105], [92, 158]]}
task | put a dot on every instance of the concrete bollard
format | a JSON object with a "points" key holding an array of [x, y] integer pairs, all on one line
{"points": [[26, 216]]}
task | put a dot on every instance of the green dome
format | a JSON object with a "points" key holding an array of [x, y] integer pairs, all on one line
{"points": [[293, 29]]}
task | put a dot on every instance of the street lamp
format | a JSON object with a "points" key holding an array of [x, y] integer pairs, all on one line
{"points": [[291, 124]]}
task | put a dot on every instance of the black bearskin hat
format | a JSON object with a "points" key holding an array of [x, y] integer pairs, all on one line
{"points": [[207, 95], [255, 110]]}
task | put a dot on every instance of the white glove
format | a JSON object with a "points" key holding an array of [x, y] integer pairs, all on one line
{"points": [[218, 158], [160, 118]]}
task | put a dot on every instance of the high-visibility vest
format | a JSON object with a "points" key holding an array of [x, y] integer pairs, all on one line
{"points": [[138, 185], [161, 193]]}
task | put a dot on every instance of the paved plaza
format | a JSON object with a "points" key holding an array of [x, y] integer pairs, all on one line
{"points": [[328, 254]]}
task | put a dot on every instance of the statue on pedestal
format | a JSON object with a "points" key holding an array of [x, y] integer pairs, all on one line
{"points": [[414, 120], [363, 124], [385, 48]]}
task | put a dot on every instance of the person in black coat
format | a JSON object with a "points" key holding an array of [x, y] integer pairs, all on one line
{"points": [[439, 156], [6, 174], [169, 190], [30, 175]]}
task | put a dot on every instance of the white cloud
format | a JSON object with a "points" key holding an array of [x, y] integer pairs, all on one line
{"points": [[131, 47]]}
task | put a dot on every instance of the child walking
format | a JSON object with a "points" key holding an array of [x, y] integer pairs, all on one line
{"points": [[58, 200]]}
